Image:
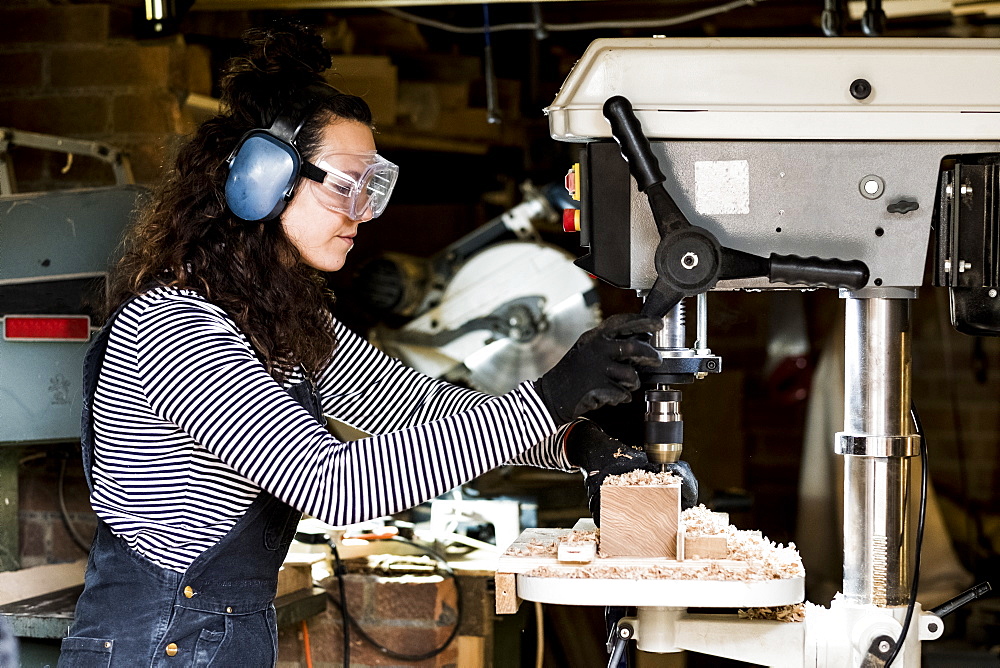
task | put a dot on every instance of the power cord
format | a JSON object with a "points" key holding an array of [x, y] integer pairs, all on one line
{"points": [[349, 620], [924, 466], [70, 527], [338, 570], [538, 25]]}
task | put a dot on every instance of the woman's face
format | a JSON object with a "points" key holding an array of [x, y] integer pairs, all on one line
{"points": [[324, 237]]}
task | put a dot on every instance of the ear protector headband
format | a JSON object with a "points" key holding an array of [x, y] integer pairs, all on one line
{"points": [[264, 166]]}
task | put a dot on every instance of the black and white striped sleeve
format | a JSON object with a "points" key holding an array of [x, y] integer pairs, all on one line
{"points": [[370, 391], [198, 373]]}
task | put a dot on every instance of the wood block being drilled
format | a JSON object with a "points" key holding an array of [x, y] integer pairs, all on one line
{"points": [[640, 520]]}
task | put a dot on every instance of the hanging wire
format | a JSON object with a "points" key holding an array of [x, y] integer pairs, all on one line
{"points": [[915, 583], [538, 25], [70, 527], [348, 619]]}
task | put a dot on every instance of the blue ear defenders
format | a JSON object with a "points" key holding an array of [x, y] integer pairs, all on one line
{"points": [[264, 166]]}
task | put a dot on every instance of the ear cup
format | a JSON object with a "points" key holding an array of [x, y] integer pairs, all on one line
{"points": [[262, 172]]}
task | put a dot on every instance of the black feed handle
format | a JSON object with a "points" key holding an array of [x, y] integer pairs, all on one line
{"points": [[635, 148], [818, 272]]}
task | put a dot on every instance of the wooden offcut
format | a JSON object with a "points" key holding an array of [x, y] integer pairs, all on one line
{"points": [[507, 600], [640, 520], [706, 547]]}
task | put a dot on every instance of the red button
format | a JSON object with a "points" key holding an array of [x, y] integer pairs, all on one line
{"points": [[571, 220]]}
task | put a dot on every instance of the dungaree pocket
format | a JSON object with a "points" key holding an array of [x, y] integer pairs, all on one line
{"points": [[193, 638], [86, 652]]}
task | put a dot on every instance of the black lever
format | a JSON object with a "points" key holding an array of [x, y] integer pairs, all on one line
{"points": [[689, 259], [967, 596]]}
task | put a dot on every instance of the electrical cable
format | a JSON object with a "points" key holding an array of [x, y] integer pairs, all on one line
{"points": [[305, 644], [348, 618], [65, 513], [537, 25], [924, 466], [338, 570], [539, 635]]}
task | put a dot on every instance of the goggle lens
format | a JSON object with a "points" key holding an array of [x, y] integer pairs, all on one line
{"points": [[358, 185]]}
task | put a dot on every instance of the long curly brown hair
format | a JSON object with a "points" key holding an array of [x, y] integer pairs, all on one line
{"points": [[188, 238]]}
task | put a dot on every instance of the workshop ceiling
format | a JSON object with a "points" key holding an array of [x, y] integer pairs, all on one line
{"points": [[722, 17]]}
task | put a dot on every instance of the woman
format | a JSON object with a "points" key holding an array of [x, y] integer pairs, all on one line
{"points": [[203, 433]]}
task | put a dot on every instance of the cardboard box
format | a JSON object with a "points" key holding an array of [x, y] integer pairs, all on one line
{"points": [[372, 78]]}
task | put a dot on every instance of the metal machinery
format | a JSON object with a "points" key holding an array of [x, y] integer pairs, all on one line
{"points": [[491, 310], [764, 156], [55, 248]]}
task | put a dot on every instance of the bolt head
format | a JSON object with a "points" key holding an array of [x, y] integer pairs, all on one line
{"points": [[884, 646]]}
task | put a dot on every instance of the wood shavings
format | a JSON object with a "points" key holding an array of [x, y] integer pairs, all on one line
{"points": [[700, 521], [640, 477], [784, 613], [743, 545], [579, 537], [533, 548], [713, 570]]}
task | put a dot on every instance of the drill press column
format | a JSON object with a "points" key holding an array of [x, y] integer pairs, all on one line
{"points": [[877, 443]]}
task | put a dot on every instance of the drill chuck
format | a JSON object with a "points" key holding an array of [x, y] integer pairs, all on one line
{"points": [[664, 426]]}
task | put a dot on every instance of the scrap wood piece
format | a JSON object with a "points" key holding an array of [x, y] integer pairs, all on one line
{"points": [[507, 601], [579, 553], [706, 547]]}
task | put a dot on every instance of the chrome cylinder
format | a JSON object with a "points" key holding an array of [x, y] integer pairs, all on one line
{"points": [[878, 540], [674, 332], [664, 425]]}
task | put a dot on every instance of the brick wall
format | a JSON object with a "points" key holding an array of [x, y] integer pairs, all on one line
{"points": [[72, 70], [410, 615], [43, 533]]}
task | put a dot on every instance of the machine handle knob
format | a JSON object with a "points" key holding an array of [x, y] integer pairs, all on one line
{"points": [[627, 131], [818, 272]]}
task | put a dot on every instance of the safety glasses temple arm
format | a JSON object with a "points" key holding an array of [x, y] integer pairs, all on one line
{"points": [[312, 172]]}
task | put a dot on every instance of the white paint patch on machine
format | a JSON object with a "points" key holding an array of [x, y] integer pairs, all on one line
{"points": [[722, 187]]}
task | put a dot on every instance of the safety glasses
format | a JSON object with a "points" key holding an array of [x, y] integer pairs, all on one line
{"points": [[355, 184]]}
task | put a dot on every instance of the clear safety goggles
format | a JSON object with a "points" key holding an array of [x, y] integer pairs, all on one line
{"points": [[355, 184]]}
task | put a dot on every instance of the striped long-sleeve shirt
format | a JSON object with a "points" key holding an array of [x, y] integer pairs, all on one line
{"points": [[190, 428]]}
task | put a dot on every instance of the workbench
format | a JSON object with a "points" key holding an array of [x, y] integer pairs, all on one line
{"points": [[42, 621]]}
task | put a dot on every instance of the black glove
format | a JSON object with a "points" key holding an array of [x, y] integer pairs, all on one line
{"points": [[600, 368], [689, 484]]}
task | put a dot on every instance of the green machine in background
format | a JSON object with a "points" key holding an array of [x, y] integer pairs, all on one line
{"points": [[55, 249]]}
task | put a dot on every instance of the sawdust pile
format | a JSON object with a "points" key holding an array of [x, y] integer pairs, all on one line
{"points": [[713, 570], [580, 537], [700, 521], [541, 547], [782, 613], [640, 477], [533, 548], [748, 546]]}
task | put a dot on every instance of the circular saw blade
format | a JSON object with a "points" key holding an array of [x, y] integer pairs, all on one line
{"points": [[502, 365]]}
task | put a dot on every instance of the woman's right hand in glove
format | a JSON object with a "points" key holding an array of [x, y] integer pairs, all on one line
{"points": [[601, 367]]}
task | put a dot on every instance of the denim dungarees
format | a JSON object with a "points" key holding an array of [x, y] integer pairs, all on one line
{"points": [[219, 612]]}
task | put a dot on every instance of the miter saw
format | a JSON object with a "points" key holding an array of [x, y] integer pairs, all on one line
{"points": [[491, 310], [746, 162]]}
